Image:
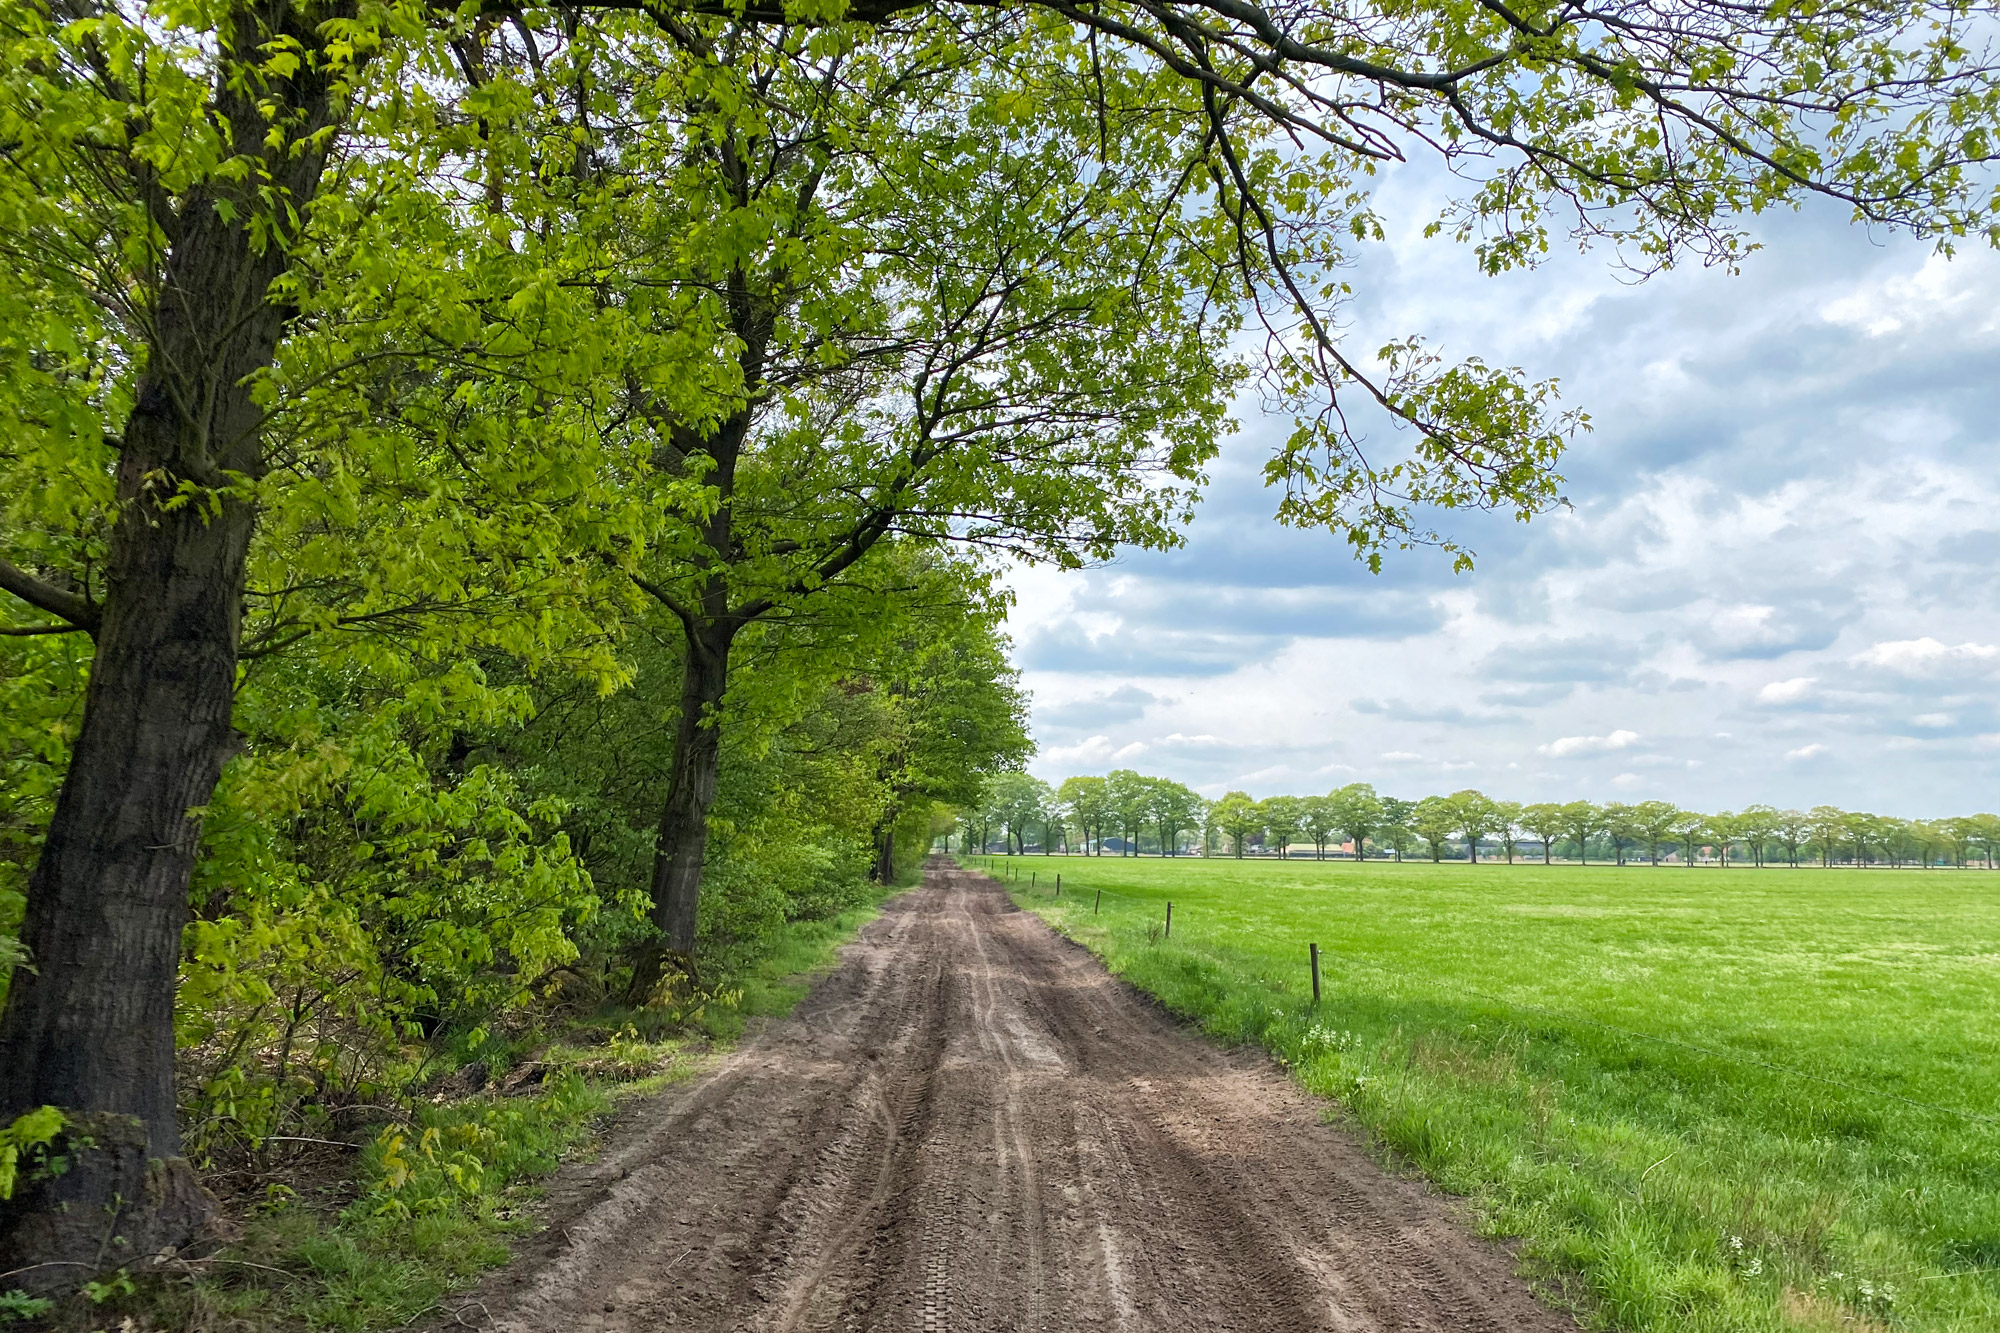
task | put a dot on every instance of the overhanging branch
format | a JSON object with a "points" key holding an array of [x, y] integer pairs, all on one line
{"points": [[78, 611]]}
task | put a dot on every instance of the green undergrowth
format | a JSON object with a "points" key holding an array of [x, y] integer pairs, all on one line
{"points": [[433, 1200], [1705, 1100]]}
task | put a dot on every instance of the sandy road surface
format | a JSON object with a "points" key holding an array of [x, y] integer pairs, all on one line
{"points": [[970, 1126]]}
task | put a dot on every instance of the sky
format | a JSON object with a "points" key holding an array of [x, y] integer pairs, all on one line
{"points": [[1776, 581]]}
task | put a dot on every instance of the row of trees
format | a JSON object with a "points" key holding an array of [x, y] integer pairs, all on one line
{"points": [[366, 370], [1125, 809]]}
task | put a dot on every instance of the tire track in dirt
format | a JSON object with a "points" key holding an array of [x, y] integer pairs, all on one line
{"points": [[970, 1126]]}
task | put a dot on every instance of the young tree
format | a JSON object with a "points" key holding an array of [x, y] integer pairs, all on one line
{"points": [[1720, 830], [1927, 837], [1319, 820], [1129, 796], [1654, 820], [952, 712], [1863, 831], [1899, 839], [1018, 799], [1283, 816], [1174, 807], [1621, 826], [1476, 815], [1690, 826], [1238, 818], [1359, 812], [1828, 824], [1055, 825], [1397, 815], [1792, 828], [1756, 825], [1988, 835], [1960, 833], [1507, 823], [1544, 819], [1088, 804], [1580, 820], [1434, 820]]}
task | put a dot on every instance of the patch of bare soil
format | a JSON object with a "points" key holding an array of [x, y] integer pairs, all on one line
{"points": [[970, 1125]]}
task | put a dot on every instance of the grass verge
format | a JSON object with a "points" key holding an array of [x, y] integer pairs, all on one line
{"points": [[1707, 1100], [432, 1201]]}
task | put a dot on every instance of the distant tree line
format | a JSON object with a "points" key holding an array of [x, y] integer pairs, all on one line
{"points": [[1128, 813]]}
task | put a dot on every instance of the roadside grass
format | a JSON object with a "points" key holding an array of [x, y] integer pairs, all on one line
{"points": [[430, 1204], [1705, 1099]]}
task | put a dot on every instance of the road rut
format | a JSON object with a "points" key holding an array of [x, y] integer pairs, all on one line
{"points": [[969, 1125]]}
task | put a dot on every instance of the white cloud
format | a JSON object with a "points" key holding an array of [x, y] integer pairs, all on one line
{"points": [[1786, 691], [1891, 304], [1925, 656], [1084, 754], [1933, 719], [1567, 746], [1627, 781], [1788, 505], [1131, 751]]}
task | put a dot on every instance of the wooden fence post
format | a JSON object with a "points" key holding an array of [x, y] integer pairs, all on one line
{"points": [[1169, 933], [1098, 906], [1315, 963]]}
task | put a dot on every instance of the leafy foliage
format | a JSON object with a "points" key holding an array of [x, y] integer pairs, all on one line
{"points": [[559, 392]]}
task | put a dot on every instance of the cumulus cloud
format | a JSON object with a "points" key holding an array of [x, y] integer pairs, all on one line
{"points": [[1927, 657], [1781, 567], [1570, 746], [1787, 691], [1747, 630]]}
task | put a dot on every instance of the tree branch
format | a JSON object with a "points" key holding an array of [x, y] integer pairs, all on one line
{"points": [[24, 631], [46, 597], [664, 598]]}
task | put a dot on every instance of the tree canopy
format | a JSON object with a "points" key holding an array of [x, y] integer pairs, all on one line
{"points": [[371, 376]]}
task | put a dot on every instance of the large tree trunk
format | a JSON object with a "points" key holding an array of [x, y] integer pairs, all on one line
{"points": [[885, 852], [681, 846], [89, 1025]]}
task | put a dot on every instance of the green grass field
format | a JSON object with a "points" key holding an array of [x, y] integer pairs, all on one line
{"points": [[1707, 1099]]}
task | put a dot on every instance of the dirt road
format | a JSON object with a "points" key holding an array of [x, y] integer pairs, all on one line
{"points": [[970, 1126]]}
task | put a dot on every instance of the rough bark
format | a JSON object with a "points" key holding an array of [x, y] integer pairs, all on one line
{"points": [[885, 854], [89, 1026], [681, 845], [116, 1205]]}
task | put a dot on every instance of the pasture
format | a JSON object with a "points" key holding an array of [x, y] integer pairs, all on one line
{"points": [[1705, 1099]]}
